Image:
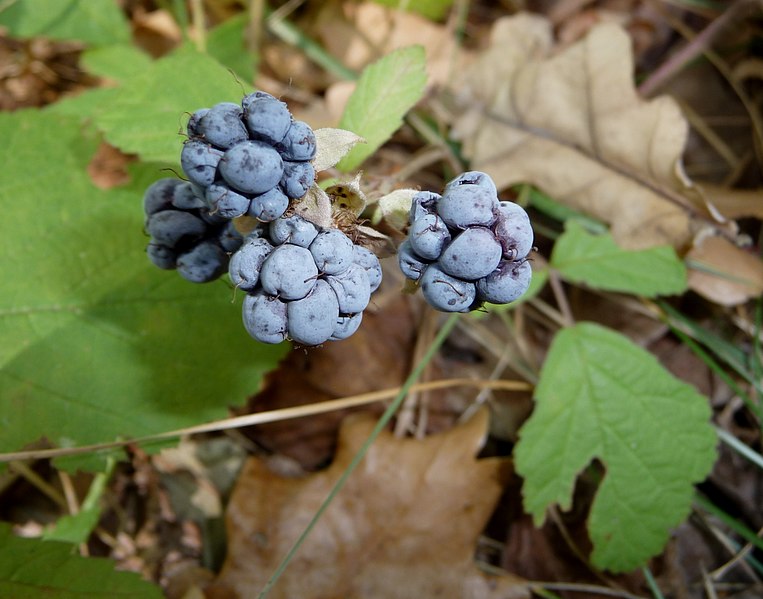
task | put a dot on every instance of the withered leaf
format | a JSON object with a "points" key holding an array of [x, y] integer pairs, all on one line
{"points": [[573, 125], [405, 524]]}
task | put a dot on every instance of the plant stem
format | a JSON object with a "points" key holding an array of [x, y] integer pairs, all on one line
{"points": [[290, 34], [380, 425], [739, 447], [729, 521], [652, 583]]}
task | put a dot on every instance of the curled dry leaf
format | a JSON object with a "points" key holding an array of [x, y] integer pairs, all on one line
{"points": [[723, 273], [405, 524], [394, 208], [315, 207], [347, 196], [735, 203], [358, 33], [573, 125], [333, 145]]}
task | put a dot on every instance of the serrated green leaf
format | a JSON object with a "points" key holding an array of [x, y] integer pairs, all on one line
{"points": [[76, 528], [86, 105], [96, 22], [150, 111], [385, 92], [432, 9], [118, 61], [332, 146], [599, 262], [602, 397], [96, 343], [35, 569], [227, 44]]}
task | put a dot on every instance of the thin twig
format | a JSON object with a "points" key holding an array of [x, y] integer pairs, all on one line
{"points": [[427, 331], [584, 588], [254, 30], [263, 418], [38, 482], [708, 582], [723, 68], [561, 297], [199, 25], [290, 34], [695, 47]]}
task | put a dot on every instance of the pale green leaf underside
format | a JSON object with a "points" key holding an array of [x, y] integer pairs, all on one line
{"points": [[96, 343], [385, 92], [148, 115], [602, 397], [97, 22], [433, 9], [118, 62], [227, 44], [599, 262], [35, 569]]}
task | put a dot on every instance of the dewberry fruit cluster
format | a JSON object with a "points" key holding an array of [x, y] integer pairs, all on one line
{"points": [[249, 158], [184, 234], [303, 282], [466, 247]]}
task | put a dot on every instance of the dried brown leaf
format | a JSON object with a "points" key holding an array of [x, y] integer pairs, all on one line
{"points": [[359, 33], [405, 525], [740, 273], [573, 125], [333, 145], [383, 345], [735, 203], [315, 206]]}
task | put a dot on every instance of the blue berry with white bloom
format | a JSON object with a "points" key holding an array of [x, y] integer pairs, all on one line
{"points": [[466, 247]]}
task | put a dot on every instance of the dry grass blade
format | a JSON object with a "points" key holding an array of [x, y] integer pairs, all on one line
{"points": [[264, 417]]}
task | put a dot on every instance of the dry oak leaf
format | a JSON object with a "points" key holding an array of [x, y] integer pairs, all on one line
{"points": [[405, 524], [573, 125], [359, 32], [740, 273]]}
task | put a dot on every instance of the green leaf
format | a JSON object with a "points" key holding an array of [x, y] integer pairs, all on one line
{"points": [[227, 44], [150, 111], [96, 343], [76, 528], [96, 22], [35, 569], [119, 62], [602, 397], [385, 92], [432, 9], [599, 262]]}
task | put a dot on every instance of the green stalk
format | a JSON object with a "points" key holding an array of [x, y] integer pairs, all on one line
{"points": [[380, 426], [734, 524], [290, 34], [652, 583]]}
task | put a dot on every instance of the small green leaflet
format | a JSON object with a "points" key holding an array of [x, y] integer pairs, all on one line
{"points": [[597, 261], [95, 342], [227, 43], [149, 114], [385, 92], [35, 569], [76, 528], [432, 9], [602, 397], [118, 62], [95, 22]]}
